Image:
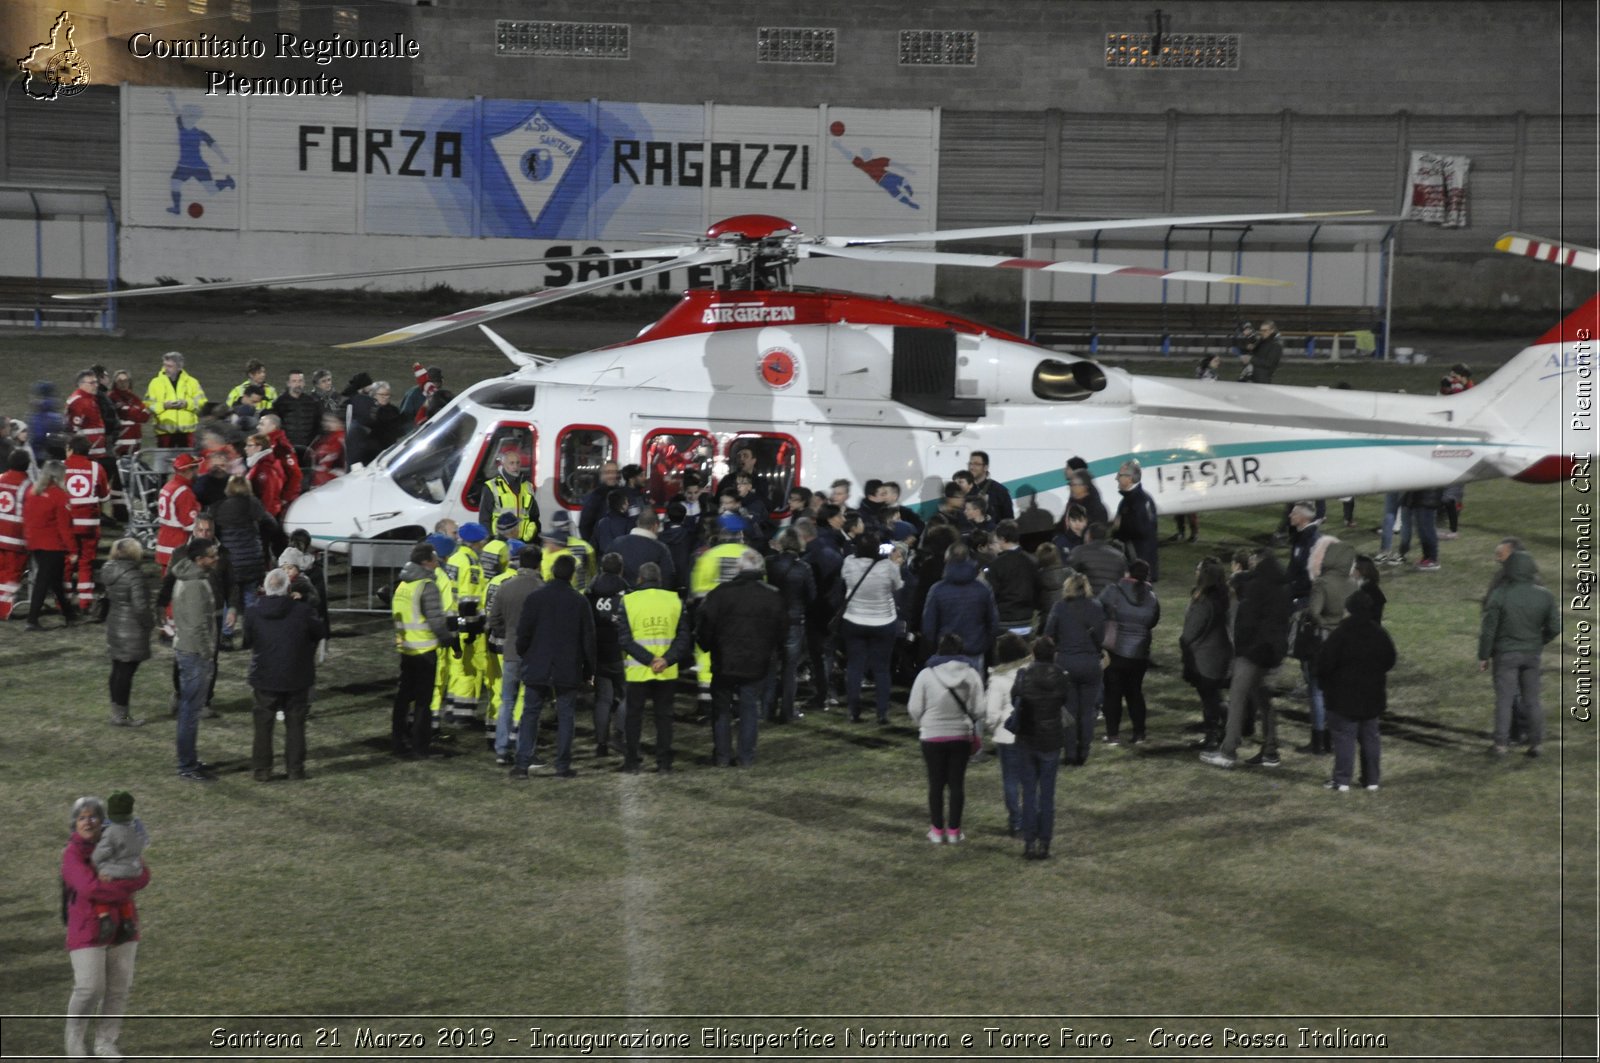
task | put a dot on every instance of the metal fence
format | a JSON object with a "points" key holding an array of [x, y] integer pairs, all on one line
{"points": [[362, 572]]}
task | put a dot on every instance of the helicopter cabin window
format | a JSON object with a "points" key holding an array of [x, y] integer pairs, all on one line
{"points": [[505, 395], [580, 452], [506, 437], [425, 462], [773, 462], [669, 454]]}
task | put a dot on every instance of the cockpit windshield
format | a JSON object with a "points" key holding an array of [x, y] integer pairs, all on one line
{"points": [[423, 464]]}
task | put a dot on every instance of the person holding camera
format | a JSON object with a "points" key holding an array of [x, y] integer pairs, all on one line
{"points": [[870, 619]]}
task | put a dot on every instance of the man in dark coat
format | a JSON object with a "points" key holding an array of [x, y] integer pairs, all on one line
{"points": [[1014, 579], [642, 546], [605, 598], [1102, 560], [1305, 530], [1260, 642], [997, 497], [679, 537], [1263, 354], [300, 411], [788, 571], [556, 645], [1352, 667], [1137, 523], [825, 562], [284, 633], [594, 503], [961, 604], [742, 624]]}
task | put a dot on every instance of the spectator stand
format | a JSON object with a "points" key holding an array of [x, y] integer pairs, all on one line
{"points": [[1342, 304], [64, 225]]}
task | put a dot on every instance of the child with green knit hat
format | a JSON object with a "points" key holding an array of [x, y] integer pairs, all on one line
{"points": [[118, 854]]}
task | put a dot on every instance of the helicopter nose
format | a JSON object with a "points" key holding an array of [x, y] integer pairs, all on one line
{"points": [[333, 511]]}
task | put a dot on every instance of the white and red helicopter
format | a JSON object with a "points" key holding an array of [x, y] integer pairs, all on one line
{"points": [[820, 385]]}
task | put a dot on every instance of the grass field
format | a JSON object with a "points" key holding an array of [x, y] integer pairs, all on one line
{"points": [[803, 887]]}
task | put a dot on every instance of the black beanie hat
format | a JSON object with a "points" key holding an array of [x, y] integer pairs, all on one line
{"points": [[119, 807]]}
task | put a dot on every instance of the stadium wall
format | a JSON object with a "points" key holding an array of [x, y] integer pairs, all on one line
{"points": [[1321, 112]]}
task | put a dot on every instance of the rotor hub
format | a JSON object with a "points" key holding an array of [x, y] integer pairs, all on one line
{"points": [[752, 228]]}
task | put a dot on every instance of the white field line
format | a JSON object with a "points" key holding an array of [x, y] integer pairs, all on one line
{"points": [[646, 979]]}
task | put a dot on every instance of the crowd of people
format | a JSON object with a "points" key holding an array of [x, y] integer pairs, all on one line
{"points": [[837, 605], [282, 441], [834, 605]]}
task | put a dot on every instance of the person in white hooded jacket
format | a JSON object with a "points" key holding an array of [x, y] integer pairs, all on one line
{"points": [[1011, 653], [946, 703]]}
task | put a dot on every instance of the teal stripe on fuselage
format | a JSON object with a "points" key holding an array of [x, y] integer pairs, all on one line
{"points": [[1055, 479]]}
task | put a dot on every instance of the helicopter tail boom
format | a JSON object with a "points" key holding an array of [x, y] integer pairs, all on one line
{"points": [[1527, 401]]}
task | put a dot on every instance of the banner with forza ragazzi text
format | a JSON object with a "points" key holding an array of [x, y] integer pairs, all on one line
{"points": [[482, 169]]}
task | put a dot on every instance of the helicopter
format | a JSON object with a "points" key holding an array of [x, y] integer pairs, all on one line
{"points": [[802, 386]]}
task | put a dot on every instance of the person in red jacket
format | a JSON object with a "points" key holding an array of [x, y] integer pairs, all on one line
{"points": [[293, 475], [102, 971], [131, 414], [88, 487], [176, 509], [265, 474], [83, 414], [13, 544], [47, 527], [327, 454]]}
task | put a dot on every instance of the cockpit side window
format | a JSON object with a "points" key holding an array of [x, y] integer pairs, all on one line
{"points": [[507, 436], [580, 452], [424, 464], [511, 395]]}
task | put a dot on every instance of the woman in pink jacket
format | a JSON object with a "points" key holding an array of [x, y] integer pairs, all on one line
{"points": [[102, 970]]}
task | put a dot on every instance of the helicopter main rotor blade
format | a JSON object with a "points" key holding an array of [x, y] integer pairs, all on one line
{"points": [[1547, 250], [996, 231], [479, 315], [310, 278], [1102, 269]]}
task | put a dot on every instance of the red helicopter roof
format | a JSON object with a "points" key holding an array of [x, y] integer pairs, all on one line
{"points": [[703, 310]]}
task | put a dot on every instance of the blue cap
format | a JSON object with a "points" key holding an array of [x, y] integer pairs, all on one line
{"points": [[442, 544], [903, 530], [732, 522], [508, 519], [472, 532], [515, 546]]}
